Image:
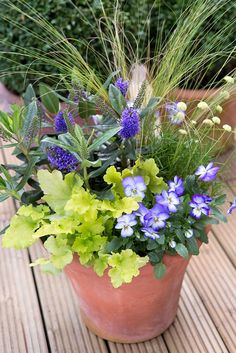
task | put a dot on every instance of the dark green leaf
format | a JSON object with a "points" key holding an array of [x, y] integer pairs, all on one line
{"points": [[27, 174], [151, 106], [159, 270], [49, 98], [192, 246], [109, 79], [210, 220], [2, 232], [203, 236], [115, 244], [151, 245], [220, 200], [182, 250], [117, 100], [29, 95], [104, 195], [219, 215], [103, 138], [105, 165], [31, 196], [180, 234]]}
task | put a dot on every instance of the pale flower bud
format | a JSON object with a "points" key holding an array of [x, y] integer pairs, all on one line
{"points": [[181, 106], [180, 116], [189, 233], [208, 122], [225, 95], [219, 109], [227, 128], [229, 79], [203, 105], [216, 120], [183, 132], [193, 122], [172, 244]]}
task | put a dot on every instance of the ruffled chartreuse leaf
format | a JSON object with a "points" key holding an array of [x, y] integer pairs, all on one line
{"points": [[120, 206], [61, 253], [114, 178], [125, 265], [101, 264], [20, 233], [57, 191], [85, 245], [46, 266], [62, 225], [83, 204], [149, 170]]}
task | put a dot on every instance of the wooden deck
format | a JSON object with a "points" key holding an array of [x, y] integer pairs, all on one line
{"points": [[39, 313]]}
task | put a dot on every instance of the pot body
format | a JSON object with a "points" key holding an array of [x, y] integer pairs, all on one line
{"points": [[228, 115], [134, 312]]}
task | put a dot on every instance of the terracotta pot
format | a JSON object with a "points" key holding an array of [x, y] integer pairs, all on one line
{"points": [[134, 312], [228, 115]]}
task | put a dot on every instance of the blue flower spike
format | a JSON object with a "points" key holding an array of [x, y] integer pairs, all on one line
{"points": [[130, 125]]}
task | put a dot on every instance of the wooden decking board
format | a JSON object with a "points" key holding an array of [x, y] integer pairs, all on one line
{"points": [[214, 287], [156, 345], [19, 309], [61, 312]]}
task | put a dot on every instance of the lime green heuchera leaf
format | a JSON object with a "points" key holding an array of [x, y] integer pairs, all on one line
{"points": [[85, 245], [20, 234], [61, 253], [125, 265], [92, 228], [101, 264], [56, 189], [114, 178], [149, 170], [83, 204], [120, 206], [62, 225]]}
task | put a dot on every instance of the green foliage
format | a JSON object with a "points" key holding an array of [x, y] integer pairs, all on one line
{"points": [[125, 265], [160, 270], [61, 254]]}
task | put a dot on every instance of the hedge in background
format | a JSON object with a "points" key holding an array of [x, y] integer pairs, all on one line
{"points": [[63, 15]]}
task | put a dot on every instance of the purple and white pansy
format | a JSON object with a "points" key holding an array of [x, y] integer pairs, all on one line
{"points": [[199, 206], [168, 199], [150, 233], [176, 186], [207, 173], [134, 186], [125, 223], [156, 217]]}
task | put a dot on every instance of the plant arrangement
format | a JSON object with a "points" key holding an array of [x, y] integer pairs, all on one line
{"points": [[116, 180]]}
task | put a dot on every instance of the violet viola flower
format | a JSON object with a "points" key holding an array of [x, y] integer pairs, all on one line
{"points": [[141, 212], [232, 207], [125, 223], [122, 85], [156, 218], [207, 173], [134, 186], [199, 206], [168, 199], [176, 186], [150, 233]]}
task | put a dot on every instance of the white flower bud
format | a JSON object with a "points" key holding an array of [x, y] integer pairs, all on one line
{"points": [[208, 122], [172, 244], [193, 122], [229, 79], [227, 128], [219, 109], [189, 233], [181, 106], [216, 120], [180, 116], [203, 105], [183, 132], [225, 95]]}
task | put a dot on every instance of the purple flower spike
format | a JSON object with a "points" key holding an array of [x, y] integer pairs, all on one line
{"points": [[176, 186], [150, 233], [156, 218], [129, 123], [62, 159], [141, 212], [125, 223], [168, 199], [60, 123], [199, 206], [207, 173], [134, 186], [122, 85], [232, 207]]}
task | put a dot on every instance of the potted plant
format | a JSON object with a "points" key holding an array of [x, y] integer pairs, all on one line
{"points": [[122, 204]]}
